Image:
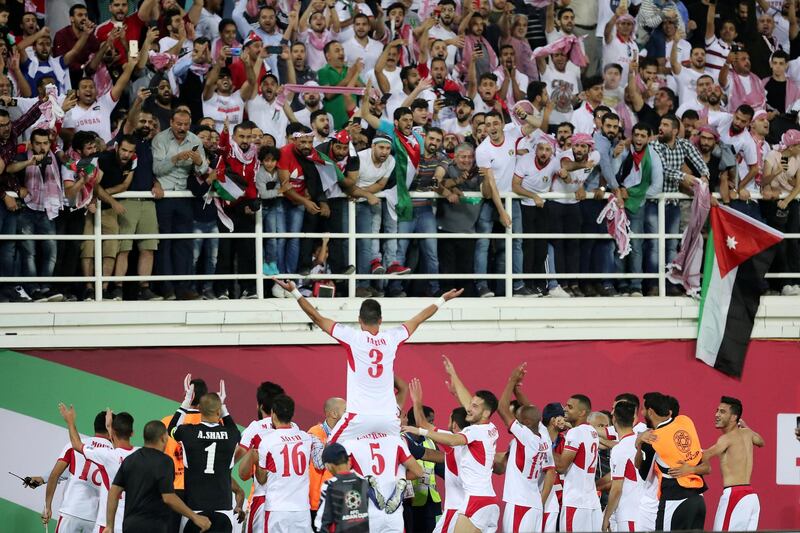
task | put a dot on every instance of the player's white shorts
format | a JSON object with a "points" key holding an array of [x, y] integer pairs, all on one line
{"points": [[71, 524], [522, 519], [738, 509], [385, 523], [482, 511], [646, 519], [550, 521], [575, 519], [447, 522], [353, 425], [623, 525], [255, 516], [287, 521]]}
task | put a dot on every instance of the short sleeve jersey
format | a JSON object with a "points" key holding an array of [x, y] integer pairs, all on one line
{"points": [[208, 457], [623, 468], [289, 162], [220, 107], [370, 368], [475, 467], [146, 475], [527, 455], [536, 179], [96, 118], [577, 177], [81, 496], [382, 456], [744, 147], [251, 440], [579, 486], [500, 158], [453, 487], [551, 505], [286, 455], [109, 459], [370, 173]]}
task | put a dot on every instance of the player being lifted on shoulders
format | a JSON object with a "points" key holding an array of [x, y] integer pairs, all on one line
{"points": [[480, 509], [371, 403]]}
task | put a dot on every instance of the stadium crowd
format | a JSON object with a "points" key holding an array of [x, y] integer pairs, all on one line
{"points": [[289, 110]]}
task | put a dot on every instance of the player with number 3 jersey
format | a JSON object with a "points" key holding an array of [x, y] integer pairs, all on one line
{"points": [[371, 405], [578, 464]]}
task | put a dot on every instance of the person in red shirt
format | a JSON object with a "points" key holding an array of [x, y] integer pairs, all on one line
{"points": [[132, 24], [67, 36]]}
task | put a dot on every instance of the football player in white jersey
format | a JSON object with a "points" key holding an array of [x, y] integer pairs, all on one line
{"points": [[480, 509], [285, 455], [120, 429], [578, 464], [453, 488], [81, 497], [386, 459], [371, 404], [625, 495], [524, 463]]}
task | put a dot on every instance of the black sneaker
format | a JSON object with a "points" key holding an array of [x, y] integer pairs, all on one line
{"points": [[524, 292], [146, 293], [485, 292], [397, 293], [116, 293], [19, 295], [88, 294], [590, 290], [576, 291]]}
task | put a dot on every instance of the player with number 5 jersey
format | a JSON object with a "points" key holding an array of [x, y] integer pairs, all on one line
{"points": [[208, 450], [371, 405], [578, 464]]}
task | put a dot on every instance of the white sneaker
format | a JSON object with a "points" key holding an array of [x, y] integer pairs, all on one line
{"points": [[278, 292], [558, 292], [21, 294], [790, 290]]}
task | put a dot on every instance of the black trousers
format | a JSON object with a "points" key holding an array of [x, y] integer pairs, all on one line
{"points": [[787, 254], [456, 256], [681, 515], [565, 218], [237, 256], [534, 251], [69, 252]]}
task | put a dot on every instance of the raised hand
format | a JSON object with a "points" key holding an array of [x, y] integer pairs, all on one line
{"points": [[448, 366], [221, 392], [67, 414], [285, 285], [518, 373], [415, 389], [452, 293]]}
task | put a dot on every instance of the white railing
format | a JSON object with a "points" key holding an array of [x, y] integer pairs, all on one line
{"points": [[259, 236]]}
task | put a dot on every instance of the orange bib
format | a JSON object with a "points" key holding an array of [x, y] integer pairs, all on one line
{"points": [[678, 442]]}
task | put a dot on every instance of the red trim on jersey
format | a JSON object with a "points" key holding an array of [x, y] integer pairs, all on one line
{"points": [[737, 493], [498, 145], [519, 514], [102, 529], [331, 331], [355, 465], [58, 524], [242, 446], [476, 503], [271, 463], [401, 458], [570, 516], [631, 525], [104, 475], [347, 419], [69, 458], [451, 463], [580, 457], [630, 471], [570, 448], [266, 521], [545, 516], [255, 505], [449, 514], [519, 458], [478, 451]]}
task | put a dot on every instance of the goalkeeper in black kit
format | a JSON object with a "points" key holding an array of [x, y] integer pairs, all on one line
{"points": [[344, 500]]}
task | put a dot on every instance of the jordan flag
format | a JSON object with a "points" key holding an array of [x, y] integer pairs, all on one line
{"points": [[738, 254]]}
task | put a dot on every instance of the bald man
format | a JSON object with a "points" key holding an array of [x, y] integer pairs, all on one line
{"points": [[333, 409]]}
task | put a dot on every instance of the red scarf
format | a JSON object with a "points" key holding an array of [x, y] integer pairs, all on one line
{"points": [[637, 157]]}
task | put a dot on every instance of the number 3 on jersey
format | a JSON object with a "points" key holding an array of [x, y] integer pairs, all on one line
{"points": [[376, 368]]}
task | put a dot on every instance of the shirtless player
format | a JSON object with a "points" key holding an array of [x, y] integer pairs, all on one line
{"points": [[738, 506]]}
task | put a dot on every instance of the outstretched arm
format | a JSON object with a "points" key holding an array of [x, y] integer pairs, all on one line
{"points": [[449, 439], [458, 388], [504, 405], [325, 324], [69, 417], [412, 324]]}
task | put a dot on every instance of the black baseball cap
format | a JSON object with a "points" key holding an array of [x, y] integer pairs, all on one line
{"points": [[335, 454], [550, 411]]}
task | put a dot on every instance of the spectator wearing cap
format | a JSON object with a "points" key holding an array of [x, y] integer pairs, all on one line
{"points": [[176, 153], [336, 185], [265, 110], [419, 112], [513, 83], [376, 169], [309, 101], [461, 123], [251, 49], [220, 101]]}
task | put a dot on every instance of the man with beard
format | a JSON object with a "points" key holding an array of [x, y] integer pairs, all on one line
{"points": [[719, 158], [742, 85], [513, 83], [139, 216], [320, 126], [160, 102], [461, 124], [386, 74], [303, 191], [699, 100], [361, 45], [264, 110], [663, 102], [265, 29], [93, 112], [309, 102], [674, 152], [66, 38], [220, 101], [444, 88], [619, 45], [442, 29], [132, 25], [251, 54], [762, 44], [413, 88], [533, 175], [337, 73], [564, 132], [734, 131], [176, 153], [238, 164], [688, 78], [640, 180], [335, 151], [429, 176]]}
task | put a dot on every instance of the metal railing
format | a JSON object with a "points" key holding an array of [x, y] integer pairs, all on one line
{"points": [[259, 235]]}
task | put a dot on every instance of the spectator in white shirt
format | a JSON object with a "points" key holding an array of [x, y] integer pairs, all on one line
{"points": [[583, 117], [513, 83], [208, 25], [361, 45]]}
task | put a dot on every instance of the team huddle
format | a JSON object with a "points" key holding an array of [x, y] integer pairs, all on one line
{"points": [[369, 457]]}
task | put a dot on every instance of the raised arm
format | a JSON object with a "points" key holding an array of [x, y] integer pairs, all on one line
{"points": [[366, 110], [504, 405], [461, 392], [448, 439], [69, 417], [413, 323], [86, 32], [122, 82], [415, 389], [213, 74], [401, 391], [710, 16], [325, 324]]}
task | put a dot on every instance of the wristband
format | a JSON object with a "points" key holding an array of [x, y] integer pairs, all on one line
{"points": [[423, 432], [296, 294], [440, 302]]}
